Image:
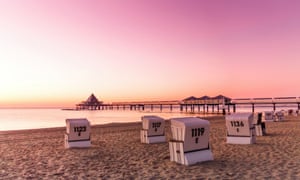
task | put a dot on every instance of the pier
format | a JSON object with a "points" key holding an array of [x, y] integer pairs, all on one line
{"points": [[205, 104], [230, 105], [138, 105], [274, 102]]}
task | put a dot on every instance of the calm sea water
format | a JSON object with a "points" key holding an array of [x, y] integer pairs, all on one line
{"points": [[16, 119]]}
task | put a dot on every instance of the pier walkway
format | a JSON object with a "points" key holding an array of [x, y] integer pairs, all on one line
{"points": [[274, 102], [205, 104]]}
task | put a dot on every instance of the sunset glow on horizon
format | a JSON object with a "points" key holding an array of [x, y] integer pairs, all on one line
{"points": [[56, 53]]}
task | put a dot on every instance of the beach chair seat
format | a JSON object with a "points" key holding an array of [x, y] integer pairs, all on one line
{"points": [[153, 130], [240, 128], [279, 116], [78, 133], [190, 141], [260, 125]]}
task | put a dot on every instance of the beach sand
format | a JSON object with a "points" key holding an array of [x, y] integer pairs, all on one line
{"points": [[117, 153]]}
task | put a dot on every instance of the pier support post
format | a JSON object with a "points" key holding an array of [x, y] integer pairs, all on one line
{"points": [[274, 106], [253, 107]]}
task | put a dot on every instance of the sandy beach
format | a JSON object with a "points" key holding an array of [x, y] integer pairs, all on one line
{"points": [[117, 153]]}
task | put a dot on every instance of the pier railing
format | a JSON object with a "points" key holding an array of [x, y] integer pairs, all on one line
{"points": [[268, 101], [277, 100], [196, 105]]}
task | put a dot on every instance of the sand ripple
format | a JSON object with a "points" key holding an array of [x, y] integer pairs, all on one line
{"points": [[117, 153]]}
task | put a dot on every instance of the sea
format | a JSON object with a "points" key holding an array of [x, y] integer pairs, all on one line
{"points": [[36, 118]]}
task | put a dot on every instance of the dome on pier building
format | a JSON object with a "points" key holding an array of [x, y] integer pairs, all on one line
{"points": [[92, 103], [92, 100]]}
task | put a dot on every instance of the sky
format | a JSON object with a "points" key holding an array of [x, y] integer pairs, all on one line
{"points": [[58, 52]]}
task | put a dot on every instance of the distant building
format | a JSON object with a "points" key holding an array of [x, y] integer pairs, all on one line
{"points": [[92, 103], [220, 99]]}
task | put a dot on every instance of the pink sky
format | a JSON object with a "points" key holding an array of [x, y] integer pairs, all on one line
{"points": [[57, 52]]}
